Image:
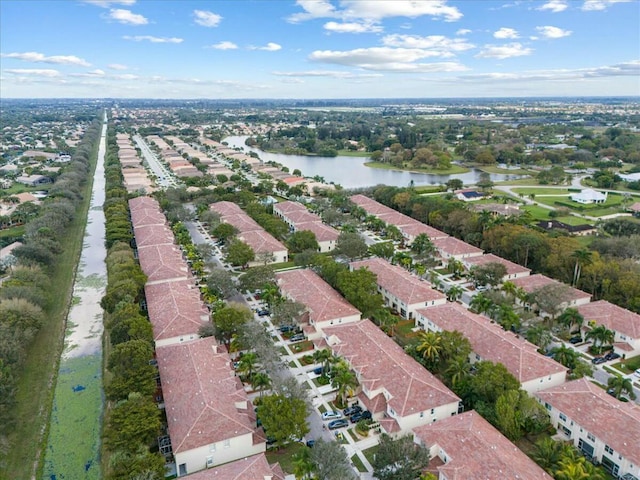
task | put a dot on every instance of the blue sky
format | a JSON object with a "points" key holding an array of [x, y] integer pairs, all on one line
{"points": [[319, 48]]}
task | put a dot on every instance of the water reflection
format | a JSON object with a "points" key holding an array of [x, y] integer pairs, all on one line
{"points": [[350, 172]]}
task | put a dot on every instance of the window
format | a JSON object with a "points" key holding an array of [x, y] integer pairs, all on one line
{"points": [[591, 437], [212, 447], [433, 410], [563, 417], [421, 414], [227, 443], [210, 461], [547, 406], [608, 449]]}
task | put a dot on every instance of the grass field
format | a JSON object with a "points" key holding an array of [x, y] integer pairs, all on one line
{"points": [[34, 395], [358, 463], [495, 169], [284, 456], [542, 191], [448, 171]]}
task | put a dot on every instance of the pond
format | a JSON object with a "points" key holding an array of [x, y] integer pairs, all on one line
{"points": [[351, 172]]}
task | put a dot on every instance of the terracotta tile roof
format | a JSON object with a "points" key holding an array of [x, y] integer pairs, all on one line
{"points": [[493, 343], [416, 228], [533, 283], [635, 207], [396, 280], [226, 208], [147, 235], [323, 233], [255, 467], [261, 241], [380, 363], [370, 206], [143, 203], [288, 207], [613, 317], [175, 309], [453, 246], [151, 215], [162, 263], [396, 218], [377, 404], [243, 222], [475, 449], [302, 216], [615, 423], [322, 301], [204, 401], [512, 268]]}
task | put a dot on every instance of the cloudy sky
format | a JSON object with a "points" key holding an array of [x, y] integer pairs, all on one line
{"points": [[319, 48]]}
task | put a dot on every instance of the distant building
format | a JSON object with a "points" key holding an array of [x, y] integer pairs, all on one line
{"points": [[34, 180], [579, 230], [469, 195], [588, 196]]}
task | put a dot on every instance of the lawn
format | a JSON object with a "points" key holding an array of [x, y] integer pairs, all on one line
{"points": [[370, 453], [284, 456], [355, 460], [537, 212], [541, 191], [519, 181], [628, 365], [282, 266], [495, 169]]}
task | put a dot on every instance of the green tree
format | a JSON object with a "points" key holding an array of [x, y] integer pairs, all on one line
{"points": [[225, 232], [582, 257], [570, 317], [132, 422], [458, 370], [136, 465], [287, 312], [547, 453], [229, 320], [488, 274], [239, 253], [247, 364], [454, 293], [302, 240], [454, 184], [360, 289], [221, 282], [331, 462], [399, 459], [539, 335], [489, 382], [351, 245], [382, 249], [344, 380], [302, 464], [283, 418], [260, 381], [601, 336], [129, 365], [430, 345], [621, 385], [257, 277]]}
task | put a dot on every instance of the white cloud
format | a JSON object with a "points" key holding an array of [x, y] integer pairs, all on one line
{"points": [[224, 46], [553, 32], [206, 19], [385, 59], [36, 57], [38, 72], [375, 10], [463, 31], [438, 45], [505, 32], [108, 3], [126, 76], [269, 47], [327, 73], [92, 74], [504, 51], [554, 6], [117, 66], [127, 17], [596, 5], [152, 39], [352, 27]]}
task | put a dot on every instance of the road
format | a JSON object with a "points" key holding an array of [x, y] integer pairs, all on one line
{"points": [[164, 177]]}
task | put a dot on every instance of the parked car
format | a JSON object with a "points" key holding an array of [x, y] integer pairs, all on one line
{"points": [[318, 370], [352, 410], [298, 337], [637, 373], [287, 328], [331, 415], [575, 340], [311, 443], [338, 424], [263, 313], [366, 415], [611, 356], [598, 360]]}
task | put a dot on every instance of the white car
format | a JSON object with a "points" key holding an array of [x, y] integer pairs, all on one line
{"points": [[331, 415], [637, 373]]}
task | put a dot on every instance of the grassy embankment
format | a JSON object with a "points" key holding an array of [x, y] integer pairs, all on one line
{"points": [[448, 171], [36, 386]]}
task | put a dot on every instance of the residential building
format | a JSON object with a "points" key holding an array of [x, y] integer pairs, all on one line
{"points": [[469, 195], [599, 425], [298, 218], [256, 467], [498, 209], [401, 291], [532, 283], [513, 269], [451, 247], [34, 180], [412, 230], [625, 324], [466, 446], [210, 419], [579, 230], [490, 341], [588, 196], [400, 393], [325, 306]]}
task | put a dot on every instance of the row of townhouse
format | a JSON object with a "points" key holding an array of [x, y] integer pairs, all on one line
{"points": [[403, 396], [210, 420], [177, 163], [265, 246], [300, 219], [624, 323], [134, 175]]}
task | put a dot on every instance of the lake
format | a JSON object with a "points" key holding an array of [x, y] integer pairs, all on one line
{"points": [[351, 172]]}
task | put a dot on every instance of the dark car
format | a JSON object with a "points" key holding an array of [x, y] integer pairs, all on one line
{"points": [[318, 371], [338, 424], [366, 415], [575, 340], [263, 313], [598, 360], [311, 443], [352, 410], [287, 328], [611, 356], [298, 337]]}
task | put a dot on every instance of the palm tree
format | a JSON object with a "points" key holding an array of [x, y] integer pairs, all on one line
{"points": [[247, 364], [582, 257], [547, 453], [260, 381], [570, 317], [509, 288], [270, 293], [481, 304], [454, 293], [601, 336], [539, 335], [303, 466], [430, 345], [324, 356], [457, 370], [621, 384], [343, 380], [455, 267], [507, 318], [570, 469], [566, 356]]}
